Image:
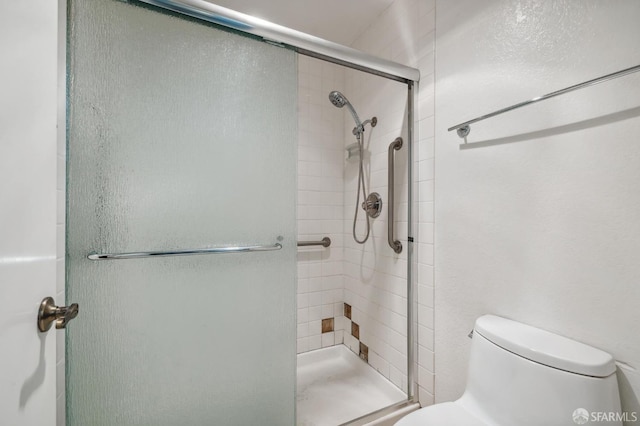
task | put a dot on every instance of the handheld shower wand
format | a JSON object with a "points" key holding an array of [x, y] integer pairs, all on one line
{"points": [[339, 100]]}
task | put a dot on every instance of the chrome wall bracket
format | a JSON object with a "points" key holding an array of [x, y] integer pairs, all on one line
{"points": [[49, 312], [373, 205], [464, 131]]}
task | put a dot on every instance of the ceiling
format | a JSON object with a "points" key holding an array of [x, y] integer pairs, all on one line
{"points": [[341, 21]]}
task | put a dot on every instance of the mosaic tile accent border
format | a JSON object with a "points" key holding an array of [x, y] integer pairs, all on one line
{"points": [[360, 349]]}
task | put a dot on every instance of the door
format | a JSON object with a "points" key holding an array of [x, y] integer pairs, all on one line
{"points": [[181, 136], [28, 219]]}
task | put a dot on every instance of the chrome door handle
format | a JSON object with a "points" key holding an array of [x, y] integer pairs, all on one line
{"points": [[49, 312]]}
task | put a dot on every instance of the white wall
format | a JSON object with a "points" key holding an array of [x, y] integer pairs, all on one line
{"points": [[538, 219], [29, 230]]}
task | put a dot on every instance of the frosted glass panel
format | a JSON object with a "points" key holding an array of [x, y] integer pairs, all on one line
{"points": [[181, 136]]}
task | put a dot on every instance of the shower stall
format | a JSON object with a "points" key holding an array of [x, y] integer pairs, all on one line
{"points": [[212, 246], [352, 296]]}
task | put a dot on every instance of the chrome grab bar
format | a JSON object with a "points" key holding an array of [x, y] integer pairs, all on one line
{"points": [[325, 242], [463, 129], [393, 146], [187, 252]]}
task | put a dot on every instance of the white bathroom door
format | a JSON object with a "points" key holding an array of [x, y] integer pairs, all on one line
{"points": [[181, 136], [28, 219]]}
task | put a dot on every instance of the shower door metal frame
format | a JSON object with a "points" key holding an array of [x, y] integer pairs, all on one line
{"points": [[302, 43], [412, 320], [315, 47]]}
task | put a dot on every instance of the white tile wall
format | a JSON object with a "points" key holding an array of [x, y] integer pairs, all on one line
{"points": [[320, 203], [374, 275], [375, 281]]}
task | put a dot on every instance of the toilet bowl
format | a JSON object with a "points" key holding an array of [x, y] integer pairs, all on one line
{"points": [[523, 376]]}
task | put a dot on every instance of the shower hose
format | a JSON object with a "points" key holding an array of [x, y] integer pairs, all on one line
{"points": [[360, 138]]}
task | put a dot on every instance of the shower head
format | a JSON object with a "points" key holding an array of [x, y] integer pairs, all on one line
{"points": [[339, 100]]}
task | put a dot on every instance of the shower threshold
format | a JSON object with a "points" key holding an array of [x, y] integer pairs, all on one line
{"points": [[335, 387]]}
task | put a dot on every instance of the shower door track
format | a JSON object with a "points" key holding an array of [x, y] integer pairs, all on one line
{"points": [[302, 43]]}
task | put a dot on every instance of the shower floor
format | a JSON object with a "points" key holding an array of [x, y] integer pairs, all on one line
{"points": [[335, 386]]}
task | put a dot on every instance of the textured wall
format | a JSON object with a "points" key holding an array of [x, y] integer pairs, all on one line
{"points": [[537, 219]]}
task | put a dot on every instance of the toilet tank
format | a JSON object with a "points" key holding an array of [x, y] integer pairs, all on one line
{"points": [[521, 375]]}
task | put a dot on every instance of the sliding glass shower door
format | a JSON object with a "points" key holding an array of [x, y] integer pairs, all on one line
{"points": [[181, 136]]}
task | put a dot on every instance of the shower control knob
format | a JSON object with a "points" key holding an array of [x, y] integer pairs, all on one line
{"points": [[49, 312], [373, 205]]}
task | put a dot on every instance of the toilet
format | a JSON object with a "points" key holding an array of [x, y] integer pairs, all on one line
{"points": [[523, 376]]}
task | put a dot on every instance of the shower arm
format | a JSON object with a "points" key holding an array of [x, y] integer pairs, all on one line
{"points": [[360, 129]]}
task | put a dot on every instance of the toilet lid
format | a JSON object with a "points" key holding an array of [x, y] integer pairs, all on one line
{"points": [[448, 413], [545, 348]]}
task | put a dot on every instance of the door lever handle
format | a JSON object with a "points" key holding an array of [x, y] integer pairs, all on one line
{"points": [[49, 312]]}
